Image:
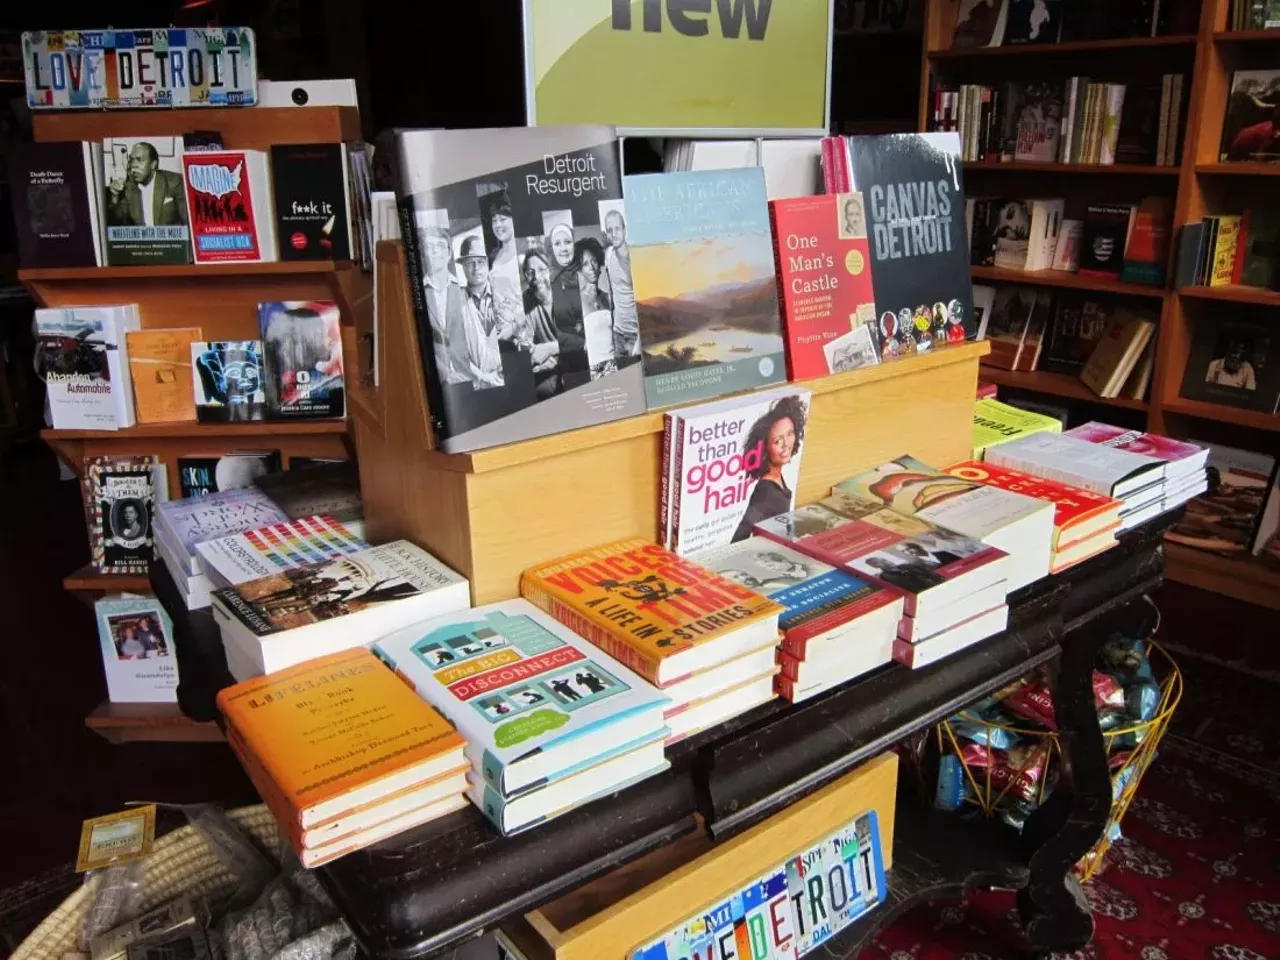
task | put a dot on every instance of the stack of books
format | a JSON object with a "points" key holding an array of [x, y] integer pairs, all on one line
{"points": [[995, 423], [836, 626], [954, 587], [1084, 523], [551, 722], [366, 759], [706, 642], [308, 611], [240, 557], [181, 525], [1185, 463], [1138, 481]]}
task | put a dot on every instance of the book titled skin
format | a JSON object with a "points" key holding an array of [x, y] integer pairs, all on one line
{"points": [[662, 615], [823, 261], [201, 476], [229, 195], [705, 286], [995, 423], [160, 367], [734, 462], [336, 732]]}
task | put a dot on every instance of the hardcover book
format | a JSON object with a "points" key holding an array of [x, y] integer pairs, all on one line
{"points": [[1232, 362], [1034, 21], [535, 701], [229, 193], [1078, 323], [734, 463], [84, 357], [913, 191], [334, 733], [190, 521], [1147, 250], [1225, 518], [136, 635], [705, 285], [1247, 131], [251, 554], [201, 476], [309, 181], [980, 23], [55, 210], [663, 616], [228, 381], [145, 201], [836, 881], [302, 354], [332, 489], [160, 368], [119, 497], [520, 260], [1102, 243], [824, 278]]}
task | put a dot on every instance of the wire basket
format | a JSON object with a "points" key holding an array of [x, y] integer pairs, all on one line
{"points": [[1032, 776]]}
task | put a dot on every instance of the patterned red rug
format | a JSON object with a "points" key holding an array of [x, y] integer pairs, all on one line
{"points": [[1196, 878]]}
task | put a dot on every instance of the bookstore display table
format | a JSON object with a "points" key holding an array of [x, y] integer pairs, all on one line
{"points": [[439, 884]]}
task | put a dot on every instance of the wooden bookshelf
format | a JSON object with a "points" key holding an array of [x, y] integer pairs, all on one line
{"points": [[1233, 294], [1248, 579], [185, 271], [1227, 37], [1054, 385], [1109, 169], [88, 584], [1224, 414], [1215, 168], [149, 722], [1126, 44], [191, 428], [1068, 280]]}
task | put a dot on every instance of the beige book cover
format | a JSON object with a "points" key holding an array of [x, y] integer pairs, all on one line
{"points": [[1116, 353]]}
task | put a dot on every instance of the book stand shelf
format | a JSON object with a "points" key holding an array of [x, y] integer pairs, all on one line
{"points": [[492, 513], [1199, 185], [220, 299]]}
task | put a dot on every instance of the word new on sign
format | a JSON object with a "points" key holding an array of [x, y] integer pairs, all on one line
{"points": [[174, 67]]}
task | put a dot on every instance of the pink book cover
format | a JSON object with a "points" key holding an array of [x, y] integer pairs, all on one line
{"points": [[1135, 441]]}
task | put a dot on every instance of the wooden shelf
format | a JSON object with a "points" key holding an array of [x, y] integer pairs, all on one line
{"points": [[1224, 414], [1234, 294], [89, 580], [190, 429], [1054, 384], [1071, 46], [1064, 278], [1246, 36], [1249, 579], [185, 271], [1113, 169], [1239, 169], [149, 722]]}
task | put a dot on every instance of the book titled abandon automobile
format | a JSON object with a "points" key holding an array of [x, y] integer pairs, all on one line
{"points": [[520, 273]]}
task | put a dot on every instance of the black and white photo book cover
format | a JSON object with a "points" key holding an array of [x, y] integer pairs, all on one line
{"points": [[520, 268]]}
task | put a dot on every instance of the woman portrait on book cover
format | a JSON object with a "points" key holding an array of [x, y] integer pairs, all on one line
{"points": [[566, 299], [778, 435]]}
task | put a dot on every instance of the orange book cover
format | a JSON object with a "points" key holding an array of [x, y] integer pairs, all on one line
{"points": [[160, 368], [643, 604], [337, 732]]}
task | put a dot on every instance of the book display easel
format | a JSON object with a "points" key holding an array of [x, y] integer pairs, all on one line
{"points": [[222, 300], [493, 513], [1199, 185]]}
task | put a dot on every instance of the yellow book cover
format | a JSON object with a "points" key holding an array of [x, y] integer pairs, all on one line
{"points": [[995, 422], [658, 613], [160, 368], [1224, 250], [337, 732]]}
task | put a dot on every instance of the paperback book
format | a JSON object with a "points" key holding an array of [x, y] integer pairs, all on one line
{"points": [[1106, 470], [302, 359], [160, 368], [229, 193], [201, 476], [251, 554], [1102, 242], [823, 261], [119, 497], [136, 636], [55, 188], [145, 201], [995, 423], [1077, 325], [228, 381], [705, 285], [309, 181], [734, 463], [520, 254], [84, 356], [187, 522]]}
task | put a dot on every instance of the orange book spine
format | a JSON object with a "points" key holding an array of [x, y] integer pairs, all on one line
{"points": [[285, 813], [602, 638]]}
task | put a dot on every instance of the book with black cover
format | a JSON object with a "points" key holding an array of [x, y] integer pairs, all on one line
{"points": [[1078, 321], [1106, 227], [1039, 122], [1190, 255], [1262, 250], [979, 23], [1033, 21], [54, 210], [309, 181], [1139, 123], [913, 191], [1234, 361], [520, 273]]}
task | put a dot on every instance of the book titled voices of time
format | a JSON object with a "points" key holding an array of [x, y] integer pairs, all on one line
{"points": [[550, 721], [705, 286]]}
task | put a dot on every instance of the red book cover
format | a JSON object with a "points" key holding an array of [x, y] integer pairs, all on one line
{"points": [[221, 201], [1072, 506], [824, 278], [1242, 245], [986, 391]]}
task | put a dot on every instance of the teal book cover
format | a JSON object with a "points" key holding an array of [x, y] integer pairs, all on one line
{"points": [[703, 268]]}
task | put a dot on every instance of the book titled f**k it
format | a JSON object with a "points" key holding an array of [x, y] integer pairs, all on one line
{"points": [[229, 194]]}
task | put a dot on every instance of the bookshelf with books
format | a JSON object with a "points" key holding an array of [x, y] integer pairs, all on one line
{"points": [[222, 300]]}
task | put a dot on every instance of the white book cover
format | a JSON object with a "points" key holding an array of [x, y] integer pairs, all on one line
{"points": [[253, 554], [1066, 251], [136, 636], [518, 685], [86, 366], [198, 519], [1046, 220], [1093, 467], [735, 462]]}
